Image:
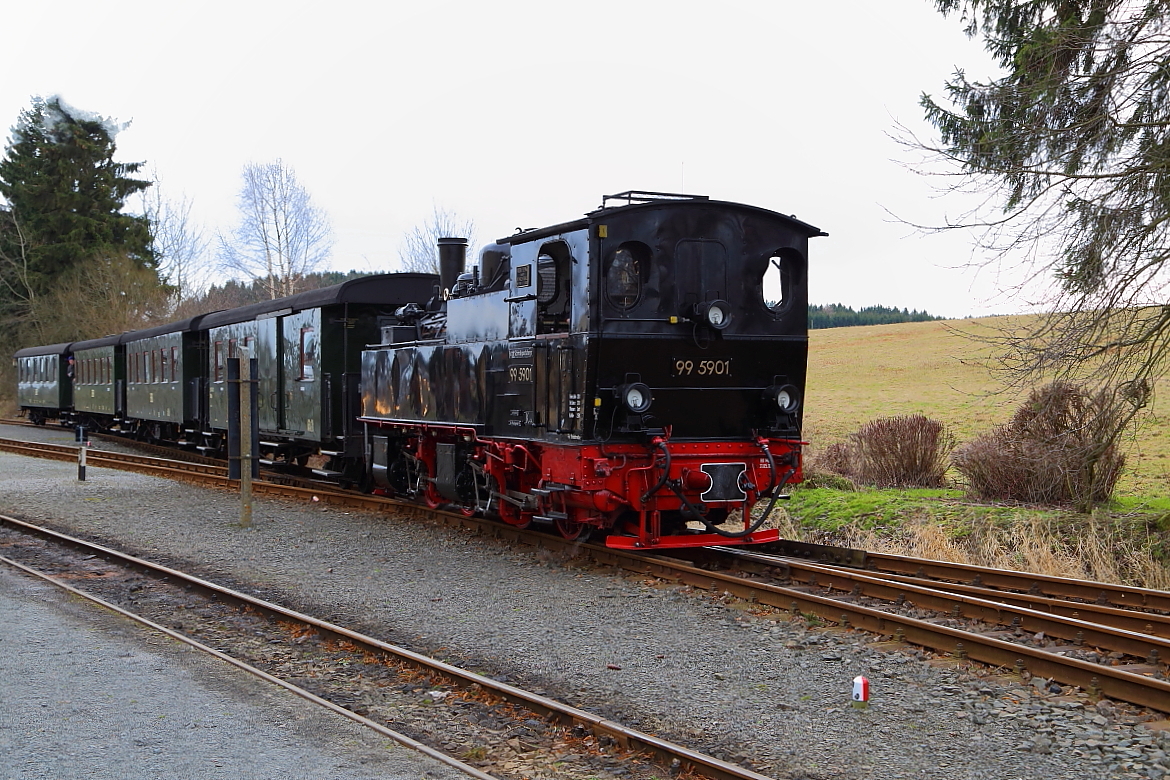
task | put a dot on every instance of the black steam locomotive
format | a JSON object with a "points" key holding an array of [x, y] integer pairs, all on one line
{"points": [[639, 371]]}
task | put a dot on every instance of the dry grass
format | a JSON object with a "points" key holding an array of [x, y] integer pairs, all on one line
{"points": [[1095, 547]]}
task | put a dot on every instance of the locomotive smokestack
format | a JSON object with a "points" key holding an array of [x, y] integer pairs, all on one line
{"points": [[452, 258]]}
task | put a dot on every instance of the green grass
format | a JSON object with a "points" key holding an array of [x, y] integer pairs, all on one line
{"points": [[829, 510], [1128, 541]]}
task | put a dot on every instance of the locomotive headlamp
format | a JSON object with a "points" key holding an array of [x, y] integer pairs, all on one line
{"points": [[786, 397], [635, 396], [716, 313]]}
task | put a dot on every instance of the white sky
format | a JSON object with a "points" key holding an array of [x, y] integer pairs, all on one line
{"points": [[518, 113]]}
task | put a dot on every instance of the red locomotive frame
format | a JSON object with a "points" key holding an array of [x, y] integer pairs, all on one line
{"points": [[624, 487]]}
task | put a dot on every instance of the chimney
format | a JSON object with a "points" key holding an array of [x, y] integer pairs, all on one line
{"points": [[452, 258]]}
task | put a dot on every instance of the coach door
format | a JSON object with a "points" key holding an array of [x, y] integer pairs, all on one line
{"points": [[301, 339], [268, 364]]}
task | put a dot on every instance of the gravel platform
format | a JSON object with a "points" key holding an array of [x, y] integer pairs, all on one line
{"points": [[691, 666], [89, 694]]}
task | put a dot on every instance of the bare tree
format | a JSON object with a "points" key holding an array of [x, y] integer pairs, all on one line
{"points": [[281, 235], [107, 295], [179, 245], [17, 291], [420, 245]]}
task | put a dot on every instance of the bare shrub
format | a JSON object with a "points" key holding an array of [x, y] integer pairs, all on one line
{"points": [[1058, 448], [909, 451], [834, 459]]}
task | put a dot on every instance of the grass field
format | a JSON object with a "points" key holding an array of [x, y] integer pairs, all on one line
{"points": [[941, 369]]}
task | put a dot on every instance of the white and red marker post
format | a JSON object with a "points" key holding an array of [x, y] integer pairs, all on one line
{"points": [[860, 692]]}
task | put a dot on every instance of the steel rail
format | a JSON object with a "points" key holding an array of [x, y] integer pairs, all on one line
{"points": [[1135, 643], [1115, 682], [1110, 681], [400, 738], [1153, 623], [68, 452], [628, 738], [1022, 582]]}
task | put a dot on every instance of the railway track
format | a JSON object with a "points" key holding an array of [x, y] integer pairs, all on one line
{"points": [[1109, 640], [292, 627]]}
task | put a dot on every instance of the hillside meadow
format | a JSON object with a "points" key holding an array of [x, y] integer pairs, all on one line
{"points": [[942, 369]]}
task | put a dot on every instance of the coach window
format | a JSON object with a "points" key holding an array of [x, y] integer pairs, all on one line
{"points": [[307, 354], [163, 364], [174, 364], [785, 272], [553, 274]]}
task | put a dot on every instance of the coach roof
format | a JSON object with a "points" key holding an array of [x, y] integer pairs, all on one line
{"points": [[51, 349], [386, 289]]}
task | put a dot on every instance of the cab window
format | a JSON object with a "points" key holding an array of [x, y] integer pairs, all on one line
{"points": [[553, 280], [783, 274]]}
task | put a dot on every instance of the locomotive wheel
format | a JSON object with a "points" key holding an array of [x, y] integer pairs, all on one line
{"points": [[431, 496], [426, 489], [468, 489], [570, 529], [508, 513]]}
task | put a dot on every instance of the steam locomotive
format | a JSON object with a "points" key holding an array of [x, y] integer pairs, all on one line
{"points": [[639, 371]]}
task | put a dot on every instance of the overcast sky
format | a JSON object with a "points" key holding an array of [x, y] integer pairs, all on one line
{"points": [[522, 114]]}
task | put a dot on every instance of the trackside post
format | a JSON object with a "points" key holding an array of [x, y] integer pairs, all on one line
{"points": [[243, 433]]}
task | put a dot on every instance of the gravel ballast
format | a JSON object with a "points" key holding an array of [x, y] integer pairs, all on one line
{"points": [[687, 665]]}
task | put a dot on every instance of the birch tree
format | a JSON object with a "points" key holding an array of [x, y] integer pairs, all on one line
{"points": [[179, 244], [281, 235], [420, 245]]}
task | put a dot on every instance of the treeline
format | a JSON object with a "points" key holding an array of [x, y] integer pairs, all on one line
{"points": [[234, 293], [834, 315]]}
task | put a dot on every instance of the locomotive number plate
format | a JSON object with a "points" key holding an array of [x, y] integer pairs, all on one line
{"points": [[700, 367], [521, 374]]}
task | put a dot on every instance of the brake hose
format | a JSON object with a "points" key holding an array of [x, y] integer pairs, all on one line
{"points": [[665, 472]]}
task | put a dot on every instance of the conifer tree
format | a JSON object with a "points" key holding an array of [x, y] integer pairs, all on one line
{"points": [[65, 195], [1069, 147]]}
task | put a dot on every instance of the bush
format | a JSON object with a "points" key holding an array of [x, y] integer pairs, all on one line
{"points": [[910, 451], [1058, 448]]}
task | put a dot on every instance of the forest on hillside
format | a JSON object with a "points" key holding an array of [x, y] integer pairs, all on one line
{"points": [[835, 315]]}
